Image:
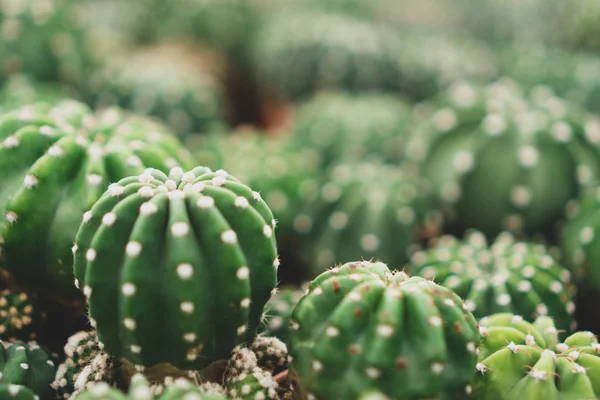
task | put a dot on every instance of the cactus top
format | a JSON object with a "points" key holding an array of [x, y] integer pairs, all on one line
{"points": [[362, 327], [197, 248], [503, 276], [489, 150]]}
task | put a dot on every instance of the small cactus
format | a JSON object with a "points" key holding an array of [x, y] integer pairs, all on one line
{"points": [[271, 353], [57, 160], [139, 389], [278, 311], [362, 327], [27, 364], [488, 152], [520, 360], [183, 389], [20, 316], [245, 380], [506, 276], [189, 236]]}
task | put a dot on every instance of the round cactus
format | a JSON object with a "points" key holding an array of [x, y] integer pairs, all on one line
{"points": [[337, 52], [351, 126], [506, 276], [278, 311], [286, 176], [27, 365], [170, 244], [362, 328], [364, 210], [56, 162], [21, 317], [245, 380], [271, 353], [488, 152], [183, 389], [519, 360], [173, 81], [139, 389]]}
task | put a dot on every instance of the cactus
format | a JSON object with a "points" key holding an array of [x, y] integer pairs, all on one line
{"points": [[27, 365], [286, 176], [16, 392], [349, 126], [519, 360], [488, 152], [20, 90], [21, 317], [245, 380], [278, 311], [337, 52], [183, 389], [362, 328], [139, 389], [271, 353], [506, 276], [173, 81], [364, 210], [193, 235], [57, 160]]}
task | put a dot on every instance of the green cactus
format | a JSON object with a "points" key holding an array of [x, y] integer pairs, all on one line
{"points": [[337, 52], [286, 176], [362, 327], [364, 210], [506, 276], [489, 150], [278, 311], [139, 389], [245, 380], [183, 389], [190, 236], [349, 126], [519, 360], [20, 90], [579, 27], [27, 365], [174, 81], [16, 392], [56, 162], [21, 317]]}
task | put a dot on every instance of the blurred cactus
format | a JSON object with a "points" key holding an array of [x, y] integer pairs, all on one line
{"points": [[21, 317], [29, 365], [278, 311]]}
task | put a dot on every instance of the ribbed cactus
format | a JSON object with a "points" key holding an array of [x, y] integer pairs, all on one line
{"points": [[176, 82], [519, 360], [364, 210], [16, 392], [489, 150], [504, 276], [337, 52], [27, 365], [285, 175], [21, 317], [275, 320], [362, 327], [56, 162], [349, 126], [197, 248]]}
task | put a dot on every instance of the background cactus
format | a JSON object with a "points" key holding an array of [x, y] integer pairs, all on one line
{"points": [[20, 90], [27, 364], [505, 276], [213, 235], [522, 360], [21, 317], [382, 329], [489, 151], [275, 320], [57, 161]]}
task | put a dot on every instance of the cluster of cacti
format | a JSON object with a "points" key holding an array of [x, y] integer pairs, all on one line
{"points": [[504, 276], [500, 160]]}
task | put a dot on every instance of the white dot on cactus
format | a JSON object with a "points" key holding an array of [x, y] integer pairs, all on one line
{"points": [[135, 349], [449, 302], [189, 337], [332, 331], [242, 329], [480, 285], [145, 177], [385, 330], [229, 237], [318, 291], [538, 375], [129, 323], [205, 202], [133, 249], [542, 309], [199, 186], [128, 289], [134, 161], [570, 307], [524, 286], [109, 219], [219, 180], [463, 161], [561, 131], [10, 142], [256, 196], [445, 119], [148, 208], [469, 305], [586, 235], [520, 196], [437, 368], [55, 151], [584, 174], [24, 366], [267, 231], [512, 347], [450, 192], [302, 223], [30, 181], [187, 307], [115, 189], [188, 177], [516, 319], [171, 162], [434, 320], [170, 184], [146, 192], [528, 156], [369, 242], [90, 255], [185, 271], [338, 220], [480, 367], [242, 273], [556, 287], [317, 366], [503, 299], [529, 340], [241, 202], [87, 291], [180, 229], [245, 303]]}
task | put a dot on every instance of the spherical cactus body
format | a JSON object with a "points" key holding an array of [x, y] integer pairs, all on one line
{"points": [[245, 380], [523, 360], [27, 365], [488, 152], [278, 311], [362, 328], [57, 160], [21, 317], [197, 248], [139, 389], [506, 276]]}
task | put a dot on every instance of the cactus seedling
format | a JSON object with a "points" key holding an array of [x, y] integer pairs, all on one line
{"points": [[519, 360], [27, 365], [196, 248], [57, 160], [506, 276], [362, 328]]}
